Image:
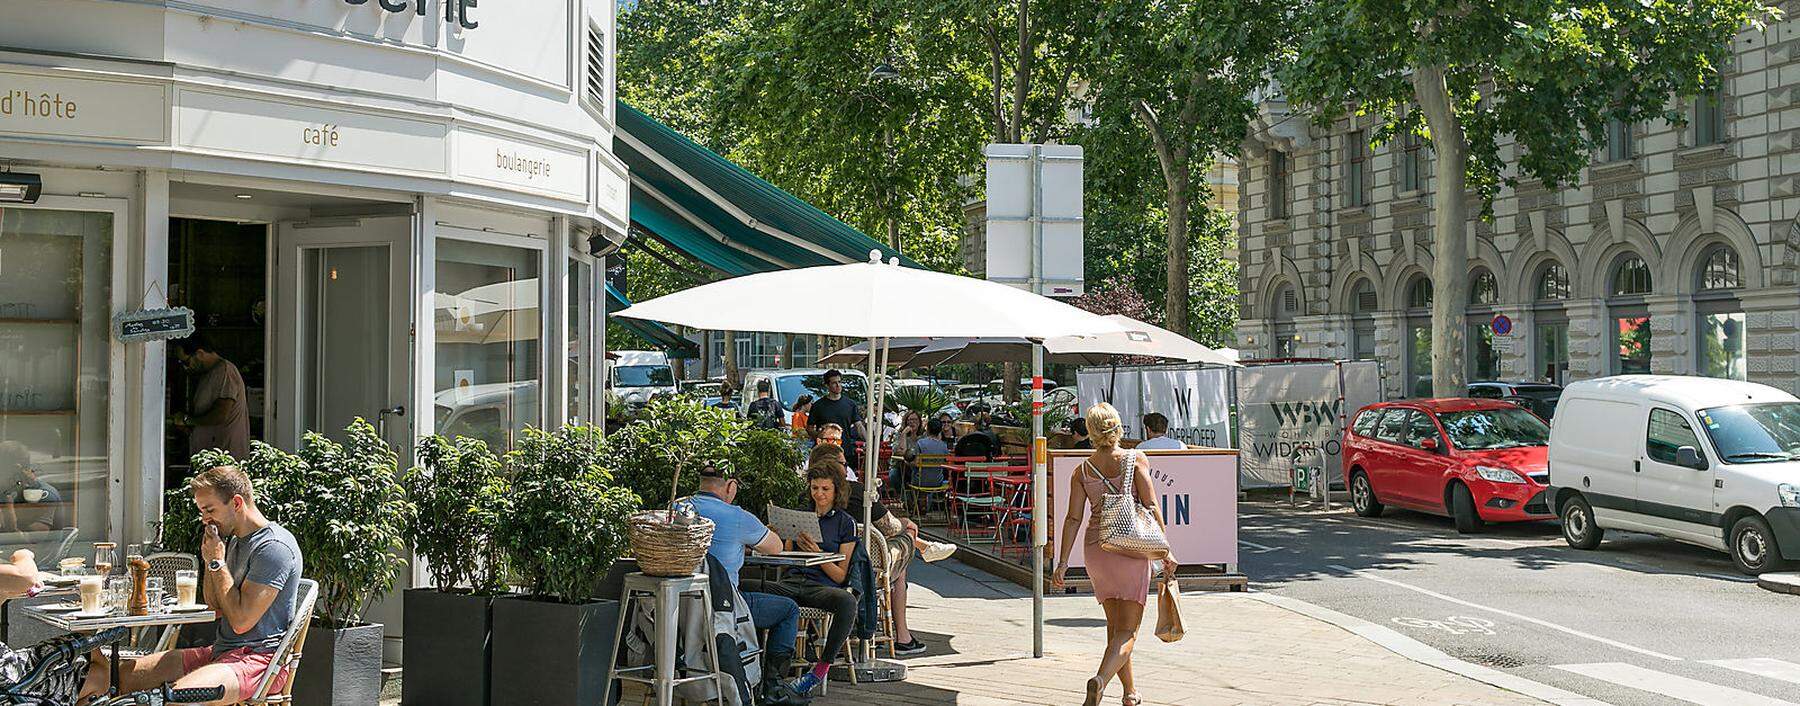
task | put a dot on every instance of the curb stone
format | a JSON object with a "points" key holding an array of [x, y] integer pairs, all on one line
{"points": [[1425, 654], [1783, 582]]}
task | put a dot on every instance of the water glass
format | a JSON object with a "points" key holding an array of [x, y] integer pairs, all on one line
{"points": [[153, 590], [118, 590]]}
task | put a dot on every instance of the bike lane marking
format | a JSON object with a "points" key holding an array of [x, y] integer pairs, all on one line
{"points": [[1516, 616]]}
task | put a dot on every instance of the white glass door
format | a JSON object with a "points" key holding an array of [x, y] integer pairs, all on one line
{"points": [[342, 333]]}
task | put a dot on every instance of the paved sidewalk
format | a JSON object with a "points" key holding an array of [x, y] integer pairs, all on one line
{"points": [[1238, 650]]}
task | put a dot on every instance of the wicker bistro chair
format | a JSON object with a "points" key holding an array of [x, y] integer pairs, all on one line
{"points": [[287, 654]]}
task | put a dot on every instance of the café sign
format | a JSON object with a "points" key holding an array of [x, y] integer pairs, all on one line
{"points": [[456, 11]]}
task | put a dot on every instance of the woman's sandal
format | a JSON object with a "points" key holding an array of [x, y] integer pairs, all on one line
{"points": [[1131, 699], [1093, 692]]}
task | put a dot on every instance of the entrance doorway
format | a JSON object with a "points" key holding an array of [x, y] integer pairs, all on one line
{"points": [[220, 269]]}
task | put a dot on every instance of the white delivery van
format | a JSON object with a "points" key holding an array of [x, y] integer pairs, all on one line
{"points": [[636, 376], [1705, 461]]}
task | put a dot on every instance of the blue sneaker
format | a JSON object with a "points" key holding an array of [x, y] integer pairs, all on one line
{"points": [[805, 684]]}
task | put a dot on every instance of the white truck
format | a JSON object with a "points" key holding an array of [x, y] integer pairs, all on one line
{"points": [[636, 376]]}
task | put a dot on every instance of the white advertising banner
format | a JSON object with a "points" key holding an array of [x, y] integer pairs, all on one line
{"points": [[1117, 387], [1285, 410], [1197, 402]]}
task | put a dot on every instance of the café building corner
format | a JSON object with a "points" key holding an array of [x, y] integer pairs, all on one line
{"points": [[393, 215]]}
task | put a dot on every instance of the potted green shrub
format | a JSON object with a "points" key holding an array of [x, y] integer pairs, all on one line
{"points": [[458, 492], [346, 507], [561, 529]]}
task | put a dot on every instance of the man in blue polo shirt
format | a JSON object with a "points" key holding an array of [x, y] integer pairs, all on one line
{"points": [[735, 530]]}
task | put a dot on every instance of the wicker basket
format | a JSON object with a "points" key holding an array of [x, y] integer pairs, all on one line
{"points": [[669, 544]]}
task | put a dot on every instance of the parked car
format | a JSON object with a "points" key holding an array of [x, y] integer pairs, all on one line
{"points": [[1710, 462], [1474, 460], [1539, 397], [636, 376]]}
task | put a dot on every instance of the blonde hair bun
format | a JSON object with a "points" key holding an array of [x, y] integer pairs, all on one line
{"points": [[1104, 426]]}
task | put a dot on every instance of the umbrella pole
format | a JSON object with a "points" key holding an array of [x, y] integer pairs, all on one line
{"points": [[1039, 508]]}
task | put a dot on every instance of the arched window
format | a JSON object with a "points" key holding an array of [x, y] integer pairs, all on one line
{"points": [[1722, 343], [1286, 302], [1286, 305], [1721, 269], [1362, 297], [1484, 290], [1631, 276], [1550, 348], [1418, 337], [1552, 282], [1631, 331], [1418, 294], [1363, 303]]}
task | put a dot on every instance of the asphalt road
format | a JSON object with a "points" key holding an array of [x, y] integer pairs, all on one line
{"points": [[1641, 621]]}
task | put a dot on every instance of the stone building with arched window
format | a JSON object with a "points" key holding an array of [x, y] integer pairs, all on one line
{"points": [[1677, 251]]}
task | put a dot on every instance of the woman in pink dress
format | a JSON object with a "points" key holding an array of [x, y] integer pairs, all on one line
{"points": [[1121, 583]]}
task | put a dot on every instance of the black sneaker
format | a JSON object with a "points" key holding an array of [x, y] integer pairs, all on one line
{"points": [[907, 649]]}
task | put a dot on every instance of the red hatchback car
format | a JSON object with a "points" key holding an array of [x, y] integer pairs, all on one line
{"points": [[1473, 460]]}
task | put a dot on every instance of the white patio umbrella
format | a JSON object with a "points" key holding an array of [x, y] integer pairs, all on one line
{"points": [[877, 301], [1138, 339], [857, 354]]}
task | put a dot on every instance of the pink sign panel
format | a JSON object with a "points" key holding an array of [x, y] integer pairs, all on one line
{"points": [[1196, 491]]}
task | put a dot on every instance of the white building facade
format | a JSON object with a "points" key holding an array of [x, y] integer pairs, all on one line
{"points": [[388, 209], [1678, 251]]}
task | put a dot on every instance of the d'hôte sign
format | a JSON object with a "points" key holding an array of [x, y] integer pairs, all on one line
{"points": [[454, 10]]}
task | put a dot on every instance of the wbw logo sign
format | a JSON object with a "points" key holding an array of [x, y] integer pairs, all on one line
{"points": [[1312, 413], [1184, 404]]}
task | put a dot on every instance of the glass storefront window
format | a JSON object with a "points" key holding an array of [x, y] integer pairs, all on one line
{"points": [[1633, 339], [1553, 351], [487, 321], [55, 368], [1724, 348], [581, 340], [1362, 340], [1484, 358], [1418, 360]]}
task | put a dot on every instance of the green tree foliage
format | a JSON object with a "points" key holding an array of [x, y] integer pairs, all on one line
{"points": [[459, 493], [766, 461], [1504, 89], [679, 436], [1173, 80], [564, 523], [342, 501]]}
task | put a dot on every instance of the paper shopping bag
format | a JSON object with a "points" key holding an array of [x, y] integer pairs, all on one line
{"points": [[1168, 611]]}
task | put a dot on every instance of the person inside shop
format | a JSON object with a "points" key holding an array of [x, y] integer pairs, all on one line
{"points": [[253, 568], [1078, 430], [33, 505], [736, 531], [835, 408], [1156, 434], [219, 413]]}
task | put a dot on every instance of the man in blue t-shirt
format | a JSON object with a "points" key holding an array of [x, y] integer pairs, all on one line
{"points": [[734, 531]]}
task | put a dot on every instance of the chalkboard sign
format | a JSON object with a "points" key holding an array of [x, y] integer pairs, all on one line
{"points": [[154, 324]]}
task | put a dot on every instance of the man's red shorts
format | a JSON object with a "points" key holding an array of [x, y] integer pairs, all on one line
{"points": [[247, 664]]}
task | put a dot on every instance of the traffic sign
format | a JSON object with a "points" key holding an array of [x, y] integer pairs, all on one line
{"points": [[1502, 325]]}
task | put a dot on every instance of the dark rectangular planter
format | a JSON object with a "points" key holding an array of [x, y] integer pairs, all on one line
{"points": [[552, 654], [446, 647], [340, 667]]}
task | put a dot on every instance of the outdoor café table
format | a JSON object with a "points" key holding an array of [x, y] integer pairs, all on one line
{"points": [[49, 591], [62, 621], [787, 560]]}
